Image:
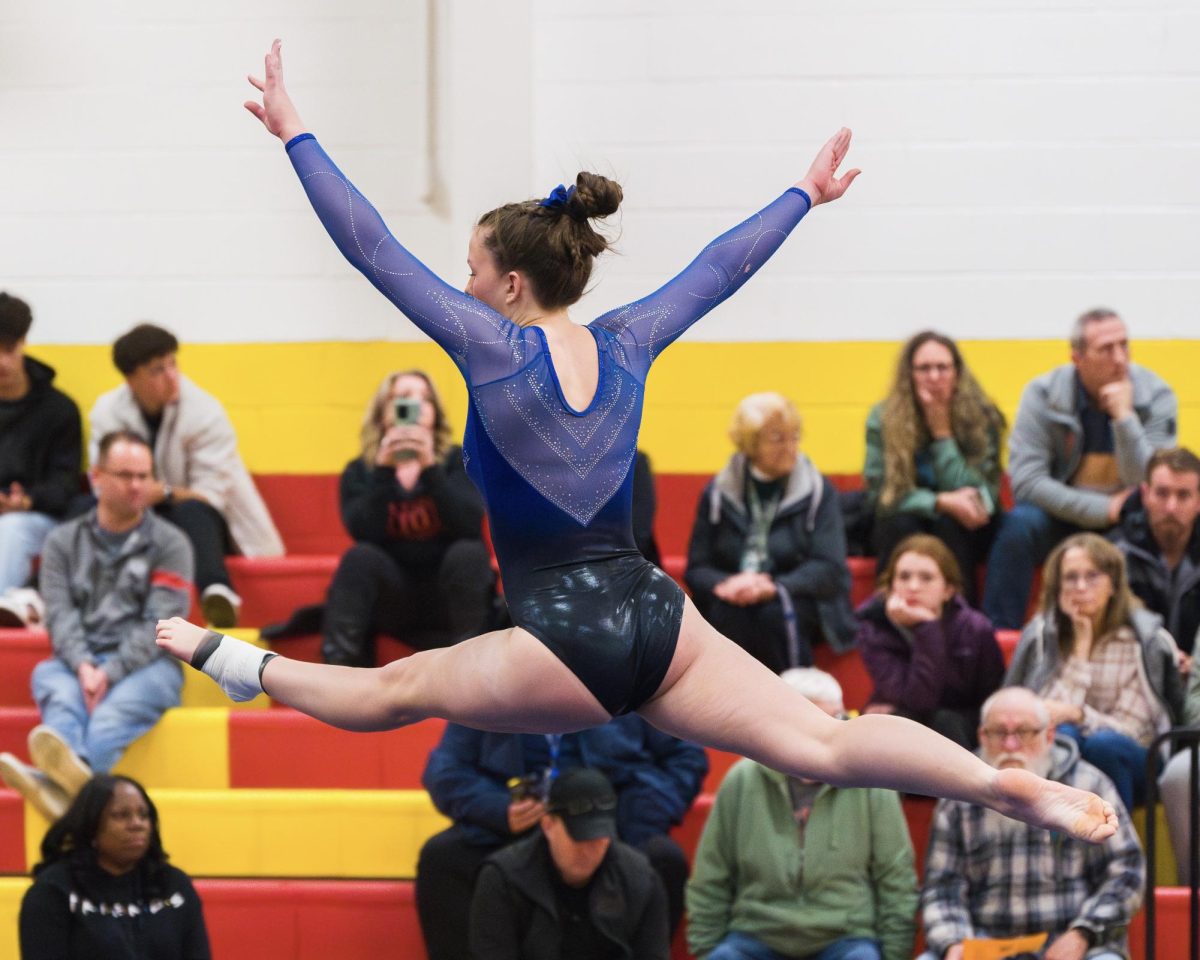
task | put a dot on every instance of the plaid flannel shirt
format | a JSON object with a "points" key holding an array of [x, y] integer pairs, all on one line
{"points": [[981, 884]]}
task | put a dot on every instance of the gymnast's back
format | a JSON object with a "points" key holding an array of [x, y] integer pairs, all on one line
{"points": [[557, 481]]}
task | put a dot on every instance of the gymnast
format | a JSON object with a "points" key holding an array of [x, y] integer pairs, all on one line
{"points": [[551, 433]]}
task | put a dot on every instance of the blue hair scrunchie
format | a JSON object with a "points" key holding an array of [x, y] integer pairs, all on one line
{"points": [[558, 196]]}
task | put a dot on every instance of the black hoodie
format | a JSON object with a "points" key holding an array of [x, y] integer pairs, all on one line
{"points": [[41, 442]]}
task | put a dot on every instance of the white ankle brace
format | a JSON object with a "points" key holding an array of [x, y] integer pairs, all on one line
{"points": [[237, 666]]}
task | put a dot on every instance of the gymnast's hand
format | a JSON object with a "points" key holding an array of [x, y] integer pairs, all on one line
{"points": [[822, 182], [276, 111]]}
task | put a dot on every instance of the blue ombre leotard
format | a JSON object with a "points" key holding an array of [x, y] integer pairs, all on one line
{"points": [[558, 482]]}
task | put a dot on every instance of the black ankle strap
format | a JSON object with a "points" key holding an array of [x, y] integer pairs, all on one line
{"points": [[208, 646]]}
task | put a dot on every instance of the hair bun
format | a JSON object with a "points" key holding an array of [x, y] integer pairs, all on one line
{"points": [[595, 196]]}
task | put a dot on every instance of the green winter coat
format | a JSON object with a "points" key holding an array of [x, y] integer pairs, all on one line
{"points": [[853, 877], [950, 468]]}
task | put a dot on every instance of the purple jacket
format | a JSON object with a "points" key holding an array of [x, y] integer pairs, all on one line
{"points": [[954, 662]]}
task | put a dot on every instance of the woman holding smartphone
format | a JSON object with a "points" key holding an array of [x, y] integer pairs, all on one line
{"points": [[419, 569]]}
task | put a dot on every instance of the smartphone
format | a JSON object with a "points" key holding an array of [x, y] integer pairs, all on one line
{"points": [[407, 410], [985, 496]]}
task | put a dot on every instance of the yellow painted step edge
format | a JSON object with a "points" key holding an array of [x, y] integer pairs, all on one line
{"points": [[287, 833]]}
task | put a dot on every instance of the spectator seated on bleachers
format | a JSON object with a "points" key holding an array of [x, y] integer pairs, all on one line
{"points": [[104, 887], [493, 785], [987, 876], [790, 868], [1108, 671], [933, 456], [1078, 448], [419, 569], [201, 484], [932, 658], [571, 889], [767, 559], [1161, 542], [40, 448], [107, 578], [1175, 786]]}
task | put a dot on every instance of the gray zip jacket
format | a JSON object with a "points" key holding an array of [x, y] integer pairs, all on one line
{"points": [[1045, 447], [101, 608], [1038, 658]]}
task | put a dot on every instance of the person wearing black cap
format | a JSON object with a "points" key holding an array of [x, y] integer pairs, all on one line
{"points": [[571, 883], [470, 778]]}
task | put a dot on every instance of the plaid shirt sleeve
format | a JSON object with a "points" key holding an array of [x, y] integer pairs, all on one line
{"points": [[944, 904], [1116, 871]]}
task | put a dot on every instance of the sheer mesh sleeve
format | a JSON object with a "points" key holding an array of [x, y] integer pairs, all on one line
{"points": [[648, 326], [483, 344]]}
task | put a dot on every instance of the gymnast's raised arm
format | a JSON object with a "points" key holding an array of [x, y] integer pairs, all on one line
{"points": [[648, 326], [454, 319]]}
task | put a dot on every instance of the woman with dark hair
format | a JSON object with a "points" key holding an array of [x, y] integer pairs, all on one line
{"points": [[550, 441], [1106, 667], [104, 889], [419, 569], [933, 456], [932, 657]]}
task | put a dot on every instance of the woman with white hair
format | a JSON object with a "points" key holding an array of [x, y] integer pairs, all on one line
{"points": [[767, 559]]}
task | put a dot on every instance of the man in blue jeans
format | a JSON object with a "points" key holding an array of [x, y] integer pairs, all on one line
{"points": [[1079, 447], [40, 448], [107, 578]]}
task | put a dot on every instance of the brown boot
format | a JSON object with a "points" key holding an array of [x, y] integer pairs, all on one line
{"points": [[46, 796]]}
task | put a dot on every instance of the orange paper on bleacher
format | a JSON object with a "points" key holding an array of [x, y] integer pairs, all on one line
{"points": [[1002, 949]]}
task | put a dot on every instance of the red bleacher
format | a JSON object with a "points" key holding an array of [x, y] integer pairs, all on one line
{"points": [[291, 919], [352, 920]]}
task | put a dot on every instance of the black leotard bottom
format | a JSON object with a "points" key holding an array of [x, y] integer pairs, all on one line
{"points": [[613, 622]]}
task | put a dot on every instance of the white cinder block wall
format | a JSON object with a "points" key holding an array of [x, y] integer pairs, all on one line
{"points": [[1024, 160]]}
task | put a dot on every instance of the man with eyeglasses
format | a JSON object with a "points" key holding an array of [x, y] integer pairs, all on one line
{"points": [[202, 485], [572, 889], [987, 876], [789, 868], [1078, 448], [107, 578]]}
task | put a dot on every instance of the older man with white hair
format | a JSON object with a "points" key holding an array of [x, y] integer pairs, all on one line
{"points": [[790, 868], [987, 876]]}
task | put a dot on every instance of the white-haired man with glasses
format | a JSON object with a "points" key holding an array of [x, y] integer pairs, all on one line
{"points": [[790, 868], [987, 876]]}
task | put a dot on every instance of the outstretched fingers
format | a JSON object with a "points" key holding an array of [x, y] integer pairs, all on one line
{"points": [[178, 637]]}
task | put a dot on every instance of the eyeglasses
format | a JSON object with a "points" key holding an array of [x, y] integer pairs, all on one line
{"points": [[1027, 735], [127, 476], [925, 369], [1087, 578]]}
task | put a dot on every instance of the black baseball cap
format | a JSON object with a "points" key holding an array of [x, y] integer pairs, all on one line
{"points": [[585, 801]]}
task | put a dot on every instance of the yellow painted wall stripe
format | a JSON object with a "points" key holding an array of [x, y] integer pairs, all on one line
{"points": [[298, 406]]}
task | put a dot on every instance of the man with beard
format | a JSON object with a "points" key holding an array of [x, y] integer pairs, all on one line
{"points": [[1161, 545], [988, 876]]}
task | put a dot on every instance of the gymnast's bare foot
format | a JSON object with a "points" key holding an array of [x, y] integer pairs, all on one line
{"points": [[179, 638], [1055, 806]]}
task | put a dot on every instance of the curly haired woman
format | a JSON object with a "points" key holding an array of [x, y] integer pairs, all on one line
{"points": [[933, 456]]}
